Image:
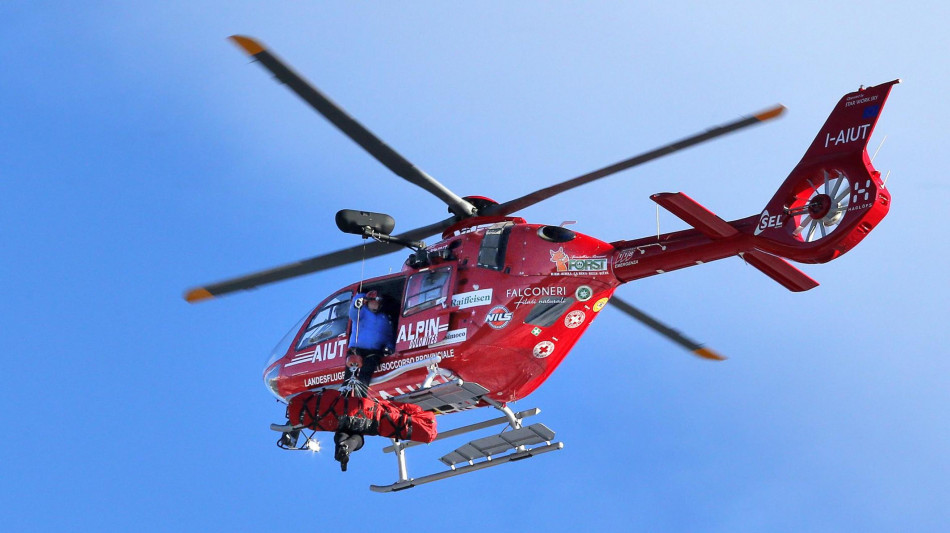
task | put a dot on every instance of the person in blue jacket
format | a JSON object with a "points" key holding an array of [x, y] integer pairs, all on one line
{"points": [[372, 336]]}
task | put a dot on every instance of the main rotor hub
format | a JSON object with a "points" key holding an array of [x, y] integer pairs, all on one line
{"points": [[480, 202]]}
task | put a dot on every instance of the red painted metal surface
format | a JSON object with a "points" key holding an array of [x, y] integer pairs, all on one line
{"points": [[486, 333], [489, 327]]}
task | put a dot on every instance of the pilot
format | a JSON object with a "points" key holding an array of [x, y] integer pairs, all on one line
{"points": [[372, 336]]}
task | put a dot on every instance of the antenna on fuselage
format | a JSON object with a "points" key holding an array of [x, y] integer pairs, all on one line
{"points": [[878, 148]]}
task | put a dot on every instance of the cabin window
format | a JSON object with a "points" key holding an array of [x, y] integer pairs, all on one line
{"points": [[426, 289], [329, 321]]}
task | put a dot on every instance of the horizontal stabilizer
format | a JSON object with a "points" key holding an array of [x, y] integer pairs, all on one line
{"points": [[780, 270], [695, 215], [710, 225]]}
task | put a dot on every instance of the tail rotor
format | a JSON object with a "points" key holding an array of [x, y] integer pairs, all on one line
{"points": [[818, 210]]}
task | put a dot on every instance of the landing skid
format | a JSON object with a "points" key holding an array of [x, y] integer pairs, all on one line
{"points": [[480, 453]]}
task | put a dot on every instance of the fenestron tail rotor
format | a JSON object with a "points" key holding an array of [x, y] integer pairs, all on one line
{"points": [[668, 332], [821, 207]]}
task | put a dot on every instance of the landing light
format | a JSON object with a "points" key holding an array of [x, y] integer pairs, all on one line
{"points": [[313, 445]]}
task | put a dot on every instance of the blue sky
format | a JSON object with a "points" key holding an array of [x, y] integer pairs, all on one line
{"points": [[141, 154]]}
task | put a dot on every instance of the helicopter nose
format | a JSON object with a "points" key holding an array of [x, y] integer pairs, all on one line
{"points": [[270, 380]]}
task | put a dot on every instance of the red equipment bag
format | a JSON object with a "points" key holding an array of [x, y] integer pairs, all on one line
{"points": [[406, 421], [328, 410]]}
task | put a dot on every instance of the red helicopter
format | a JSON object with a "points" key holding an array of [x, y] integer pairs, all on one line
{"points": [[485, 315]]}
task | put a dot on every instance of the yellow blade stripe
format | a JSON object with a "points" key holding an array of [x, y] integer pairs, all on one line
{"points": [[249, 45], [706, 353], [196, 295], [770, 113]]}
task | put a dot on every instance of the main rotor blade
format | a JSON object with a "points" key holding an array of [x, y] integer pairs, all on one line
{"points": [[353, 129], [527, 200], [314, 264], [665, 330]]}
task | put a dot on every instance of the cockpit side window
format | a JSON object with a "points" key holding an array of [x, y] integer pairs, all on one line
{"points": [[329, 321], [425, 289]]}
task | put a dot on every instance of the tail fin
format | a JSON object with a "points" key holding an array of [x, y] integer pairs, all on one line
{"points": [[833, 198]]}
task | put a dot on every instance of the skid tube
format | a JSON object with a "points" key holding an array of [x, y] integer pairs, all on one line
{"points": [[521, 452]]}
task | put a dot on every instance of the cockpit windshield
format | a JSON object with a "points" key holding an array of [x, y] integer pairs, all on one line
{"points": [[281, 349]]}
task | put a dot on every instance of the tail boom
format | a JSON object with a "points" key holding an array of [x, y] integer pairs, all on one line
{"points": [[713, 238], [829, 202]]}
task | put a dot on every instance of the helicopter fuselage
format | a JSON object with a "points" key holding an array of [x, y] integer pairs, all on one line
{"points": [[501, 304]]}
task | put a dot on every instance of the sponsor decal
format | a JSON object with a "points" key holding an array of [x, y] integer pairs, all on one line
{"points": [[768, 221], [498, 317], [871, 111], [599, 304], [860, 194], [545, 300], [854, 133], [543, 349], [444, 354], [858, 99], [454, 336], [527, 292], [472, 299], [422, 332], [583, 293], [320, 380], [859, 190], [574, 319], [626, 257], [537, 295], [388, 365], [321, 352], [567, 264], [536, 331]]}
